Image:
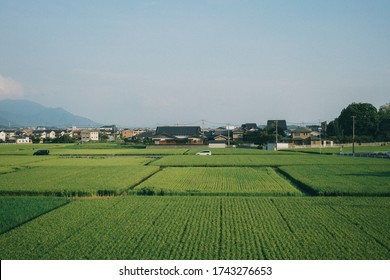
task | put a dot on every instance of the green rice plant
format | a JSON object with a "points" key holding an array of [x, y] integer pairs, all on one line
{"points": [[217, 181], [20, 161], [265, 160], [364, 180], [73, 180], [117, 152], [15, 211], [175, 227]]}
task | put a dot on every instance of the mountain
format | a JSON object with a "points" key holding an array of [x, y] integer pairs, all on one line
{"points": [[25, 113]]}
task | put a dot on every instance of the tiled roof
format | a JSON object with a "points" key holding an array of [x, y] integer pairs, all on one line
{"points": [[179, 130]]}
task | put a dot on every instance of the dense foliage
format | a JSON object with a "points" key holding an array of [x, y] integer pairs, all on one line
{"points": [[370, 124]]}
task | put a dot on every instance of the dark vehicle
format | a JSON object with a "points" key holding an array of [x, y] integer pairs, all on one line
{"points": [[41, 153]]}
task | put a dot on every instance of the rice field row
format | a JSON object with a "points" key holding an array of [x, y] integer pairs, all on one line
{"points": [[366, 180], [265, 160], [218, 181], [73, 181], [171, 227]]}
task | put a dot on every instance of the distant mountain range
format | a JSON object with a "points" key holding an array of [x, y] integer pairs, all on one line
{"points": [[25, 113]]}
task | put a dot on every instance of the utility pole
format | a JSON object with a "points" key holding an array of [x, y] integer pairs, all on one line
{"points": [[228, 127], [276, 133], [353, 135]]}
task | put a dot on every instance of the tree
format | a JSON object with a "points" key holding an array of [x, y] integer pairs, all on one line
{"points": [[366, 120], [384, 122], [63, 139]]}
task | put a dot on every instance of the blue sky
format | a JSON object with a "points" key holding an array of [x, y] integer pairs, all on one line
{"points": [[143, 63]]}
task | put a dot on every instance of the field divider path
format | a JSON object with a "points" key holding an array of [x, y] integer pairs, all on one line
{"points": [[283, 217], [141, 181], [305, 189], [35, 217]]}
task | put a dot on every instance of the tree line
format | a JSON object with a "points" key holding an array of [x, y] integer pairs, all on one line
{"points": [[362, 120]]}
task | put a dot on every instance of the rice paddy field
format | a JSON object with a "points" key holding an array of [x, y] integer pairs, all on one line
{"points": [[110, 202]]}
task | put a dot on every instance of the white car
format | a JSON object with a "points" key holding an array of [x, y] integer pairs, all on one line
{"points": [[204, 153]]}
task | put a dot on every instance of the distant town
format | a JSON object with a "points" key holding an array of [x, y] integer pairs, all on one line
{"points": [[359, 122], [276, 131]]}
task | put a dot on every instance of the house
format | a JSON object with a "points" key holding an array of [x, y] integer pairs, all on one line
{"points": [[2, 135], [249, 127], [146, 135], [23, 140], [126, 133], [89, 135], [166, 135], [51, 134], [238, 134], [108, 130], [301, 136], [40, 133]]}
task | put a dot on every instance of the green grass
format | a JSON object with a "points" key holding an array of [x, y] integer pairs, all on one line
{"points": [[207, 228], [15, 211], [218, 181]]}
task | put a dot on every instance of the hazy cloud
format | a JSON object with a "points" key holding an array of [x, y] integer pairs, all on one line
{"points": [[10, 88]]}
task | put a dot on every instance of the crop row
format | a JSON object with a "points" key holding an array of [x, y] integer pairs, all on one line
{"points": [[218, 180], [206, 228]]}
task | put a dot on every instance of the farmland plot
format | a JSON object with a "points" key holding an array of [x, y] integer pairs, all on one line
{"points": [[14, 163], [218, 181], [343, 180], [206, 228], [264, 160], [76, 176]]}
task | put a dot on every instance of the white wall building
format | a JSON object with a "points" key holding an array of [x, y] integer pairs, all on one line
{"points": [[2, 135], [87, 135], [25, 140]]}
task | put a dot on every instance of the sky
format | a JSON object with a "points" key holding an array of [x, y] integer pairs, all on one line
{"points": [[149, 63]]}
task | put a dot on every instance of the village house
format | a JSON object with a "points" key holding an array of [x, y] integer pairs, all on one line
{"points": [[2, 135], [23, 140], [127, 133], [238, 134], [130, 133], [168, 135], [89, 135], [301, 136]]}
